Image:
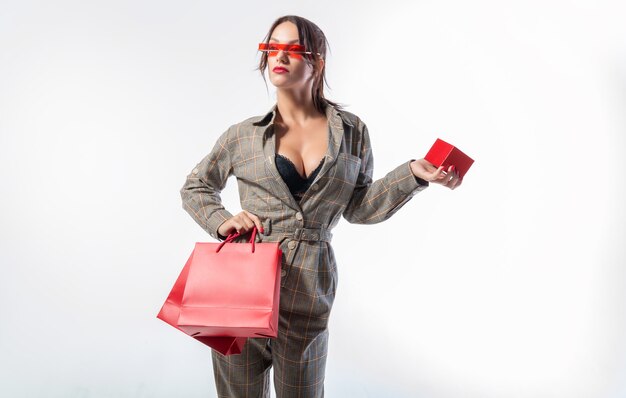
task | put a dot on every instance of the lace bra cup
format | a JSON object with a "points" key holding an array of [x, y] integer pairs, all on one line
{"points": [[296, 183]]}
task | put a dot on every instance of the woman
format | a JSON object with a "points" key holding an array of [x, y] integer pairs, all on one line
{"points": [[299, 168]]}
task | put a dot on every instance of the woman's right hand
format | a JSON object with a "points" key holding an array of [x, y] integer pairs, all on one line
{"points": [[241, 222]]}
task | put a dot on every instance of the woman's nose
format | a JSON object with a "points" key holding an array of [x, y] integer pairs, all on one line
{"points": [[282, 55]]}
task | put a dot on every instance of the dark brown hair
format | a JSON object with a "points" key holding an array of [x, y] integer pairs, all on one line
{"points": [[315, 41]]}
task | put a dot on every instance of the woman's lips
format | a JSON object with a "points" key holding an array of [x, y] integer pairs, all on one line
{"points": [[278, 69]]}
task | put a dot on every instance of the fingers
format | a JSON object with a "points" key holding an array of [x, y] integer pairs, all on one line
{"points": [[458, 183], [225, 228], [431, 168], [426, 170], [245, 221], [256, 220], [438, 174], [450, 179], [453, 179], [236, 224]]}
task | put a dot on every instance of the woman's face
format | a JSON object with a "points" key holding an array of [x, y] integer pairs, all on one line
{"points": [[299, 74]]}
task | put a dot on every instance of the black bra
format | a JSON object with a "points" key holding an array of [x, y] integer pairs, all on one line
{"points": [[296, 183]]}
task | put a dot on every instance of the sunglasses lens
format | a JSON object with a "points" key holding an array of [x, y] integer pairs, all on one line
{"points": [[292, 50]]}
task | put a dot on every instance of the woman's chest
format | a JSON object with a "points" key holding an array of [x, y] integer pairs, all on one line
{"points": [[263, 177], [305, 147]]}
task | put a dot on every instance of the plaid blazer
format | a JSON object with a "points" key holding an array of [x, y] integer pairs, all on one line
{"points": [[309, 275], [343, 187]]}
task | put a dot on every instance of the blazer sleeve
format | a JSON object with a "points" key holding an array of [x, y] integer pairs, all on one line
{"points": [[201, 191], [376, 201]]}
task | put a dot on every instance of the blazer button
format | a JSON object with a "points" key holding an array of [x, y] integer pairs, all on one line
{"points": [[314, 187], [291, 244], [299, 216], [283, 273]]}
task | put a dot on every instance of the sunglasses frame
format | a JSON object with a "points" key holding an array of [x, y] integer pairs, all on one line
{"points": [[297, 49]]}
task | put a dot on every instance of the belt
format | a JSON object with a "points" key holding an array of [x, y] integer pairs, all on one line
{"points": [[299, 233]]}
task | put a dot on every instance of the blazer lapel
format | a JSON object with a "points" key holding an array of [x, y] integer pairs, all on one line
{"points": [[335, 133]]}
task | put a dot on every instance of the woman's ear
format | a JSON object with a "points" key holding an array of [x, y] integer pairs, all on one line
{"points": [[320, 63]]}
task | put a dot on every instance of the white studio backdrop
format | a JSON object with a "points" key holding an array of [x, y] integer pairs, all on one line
{"points": [[511, 286]]}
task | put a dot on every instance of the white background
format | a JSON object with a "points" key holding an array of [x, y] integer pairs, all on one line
{"points": [[511, 286]]}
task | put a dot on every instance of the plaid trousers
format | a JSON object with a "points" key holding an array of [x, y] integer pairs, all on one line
{"points": [[309, 277]]}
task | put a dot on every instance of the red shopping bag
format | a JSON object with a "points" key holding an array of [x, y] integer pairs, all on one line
{"points": [[227, 292]]}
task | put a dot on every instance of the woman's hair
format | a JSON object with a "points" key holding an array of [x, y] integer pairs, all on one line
{"points": [[315, 41]]}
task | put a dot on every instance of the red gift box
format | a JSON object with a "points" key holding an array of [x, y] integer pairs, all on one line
{"points": [[446, 155]]}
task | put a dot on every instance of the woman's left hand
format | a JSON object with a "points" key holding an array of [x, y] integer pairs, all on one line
{"points": [[426, 171]]}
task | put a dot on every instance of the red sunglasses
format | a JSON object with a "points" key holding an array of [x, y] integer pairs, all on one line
{"points": [[292, 50]]}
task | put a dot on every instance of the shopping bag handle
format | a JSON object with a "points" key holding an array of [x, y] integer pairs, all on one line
{"points": [[231, 236]]}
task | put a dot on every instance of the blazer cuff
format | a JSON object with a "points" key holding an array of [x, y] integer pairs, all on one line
{"points": [[421, 182], [409, 183], [216, 219]]}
